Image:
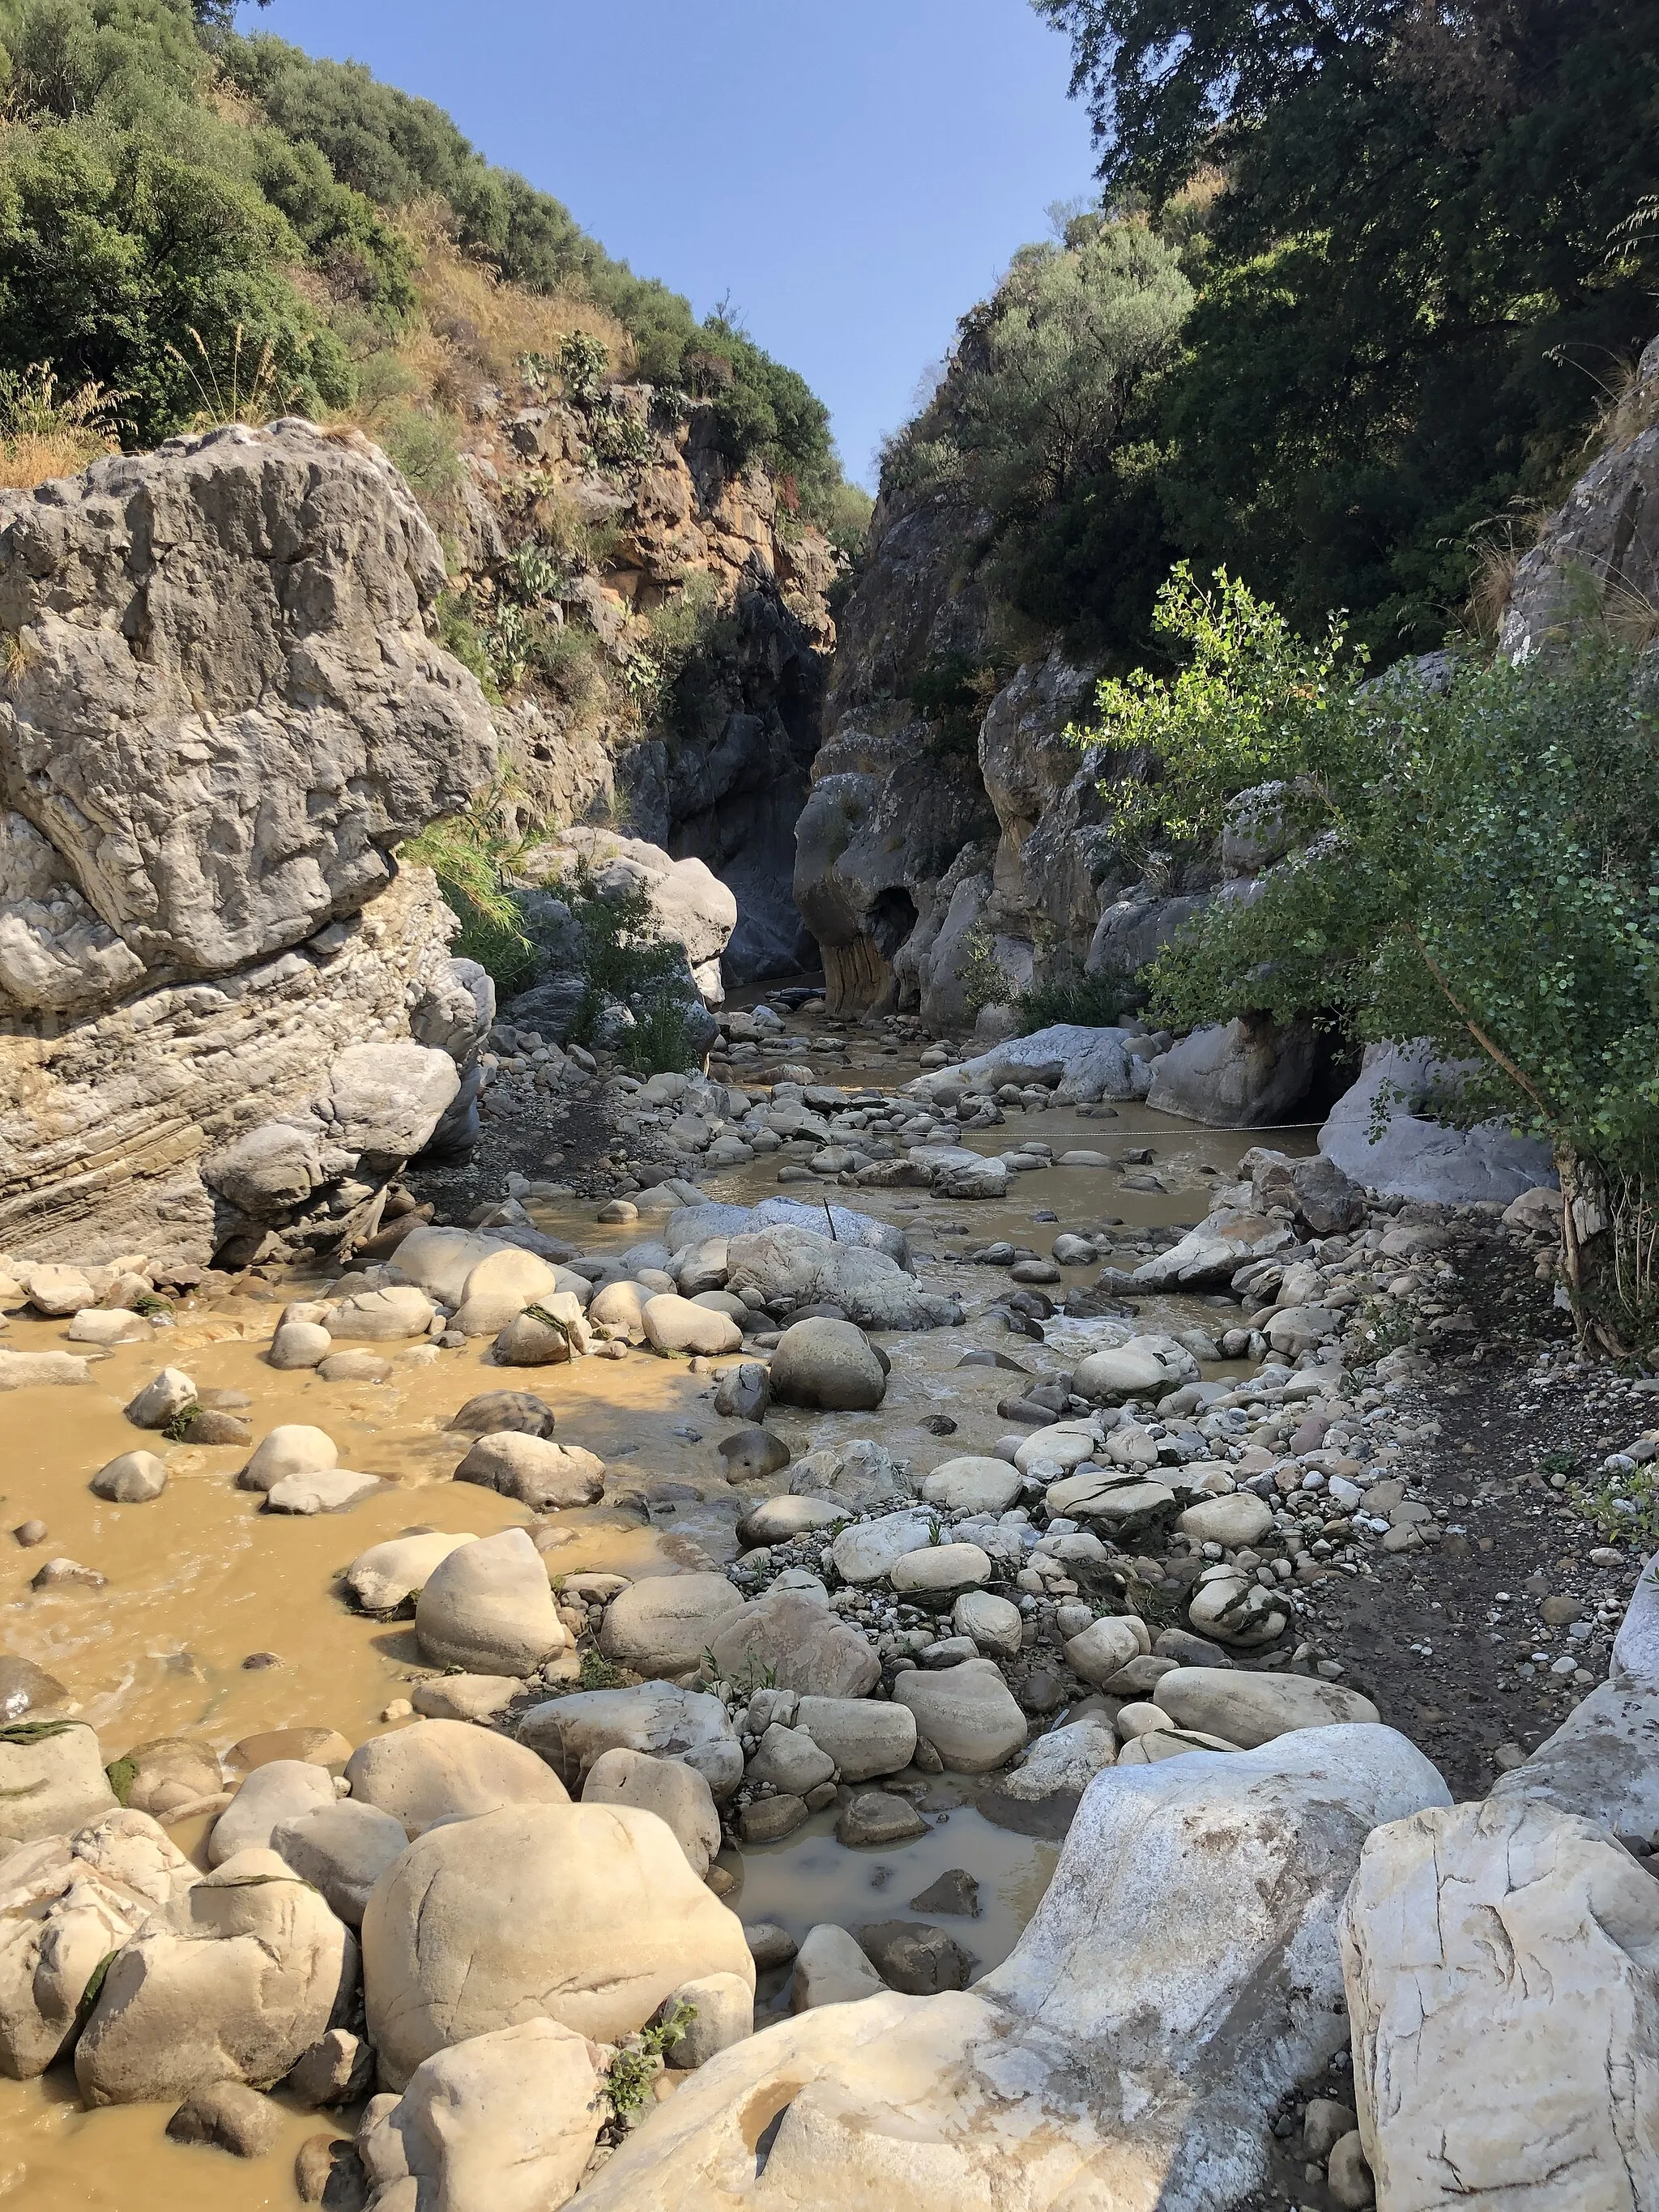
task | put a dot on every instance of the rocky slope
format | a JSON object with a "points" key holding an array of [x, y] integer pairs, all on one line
{"points": [[221, 712], [703, 745]]}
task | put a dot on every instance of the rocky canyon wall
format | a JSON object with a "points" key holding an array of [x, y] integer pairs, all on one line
{"points": [[223, 1005], [713, 762]]}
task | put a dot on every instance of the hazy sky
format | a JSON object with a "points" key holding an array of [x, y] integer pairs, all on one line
{"points": [[852, 176]]}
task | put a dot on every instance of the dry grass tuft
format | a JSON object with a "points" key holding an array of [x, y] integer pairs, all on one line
{"points": [[43, 436]]}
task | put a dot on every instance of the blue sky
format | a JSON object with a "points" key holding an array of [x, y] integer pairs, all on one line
{"points": [[853, 176]]}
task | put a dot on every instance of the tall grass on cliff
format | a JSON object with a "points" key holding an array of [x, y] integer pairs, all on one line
{"points": [[1479, 868]]}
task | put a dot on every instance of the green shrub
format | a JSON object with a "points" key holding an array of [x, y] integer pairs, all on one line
{"points": [[660, 1042], [470, 859], [1479, 869], [985, 981], [1096, 1002]]}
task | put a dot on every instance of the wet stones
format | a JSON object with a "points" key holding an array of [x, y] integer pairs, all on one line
{"points": [[535, 1470], [133, 1479], [874, 1817], [495, 1411], [487, 1608]]}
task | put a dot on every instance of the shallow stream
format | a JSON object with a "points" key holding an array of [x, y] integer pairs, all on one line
{"points": [[201, 1582]]}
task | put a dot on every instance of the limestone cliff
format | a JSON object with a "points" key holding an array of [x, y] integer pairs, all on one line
{"points": [[222, 1004], [938, 847]]}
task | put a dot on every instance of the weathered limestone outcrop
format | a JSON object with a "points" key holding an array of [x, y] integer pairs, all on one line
{"points": [[942, 853], [724, 784], [1600, 551], [220, 1002]]}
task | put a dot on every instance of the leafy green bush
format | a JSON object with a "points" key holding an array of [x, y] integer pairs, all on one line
{"points": [[950, 692], [1477, 868], [1096, 1002], [116, 258], [985, 981]]}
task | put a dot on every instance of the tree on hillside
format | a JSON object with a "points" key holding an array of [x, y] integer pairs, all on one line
{"points": [[1414, 282]]}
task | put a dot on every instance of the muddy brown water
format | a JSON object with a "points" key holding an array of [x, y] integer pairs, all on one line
{"points": [[200, 1581]]}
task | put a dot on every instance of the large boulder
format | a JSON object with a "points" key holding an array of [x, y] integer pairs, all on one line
{"points": [[1247, 1073], [280, 1790], [504, 2121], [341, 1849], [232, 1982], [1247, 1709], [383, 1577], [537, 1471], [434, 1771], [585, 1914], [1415, 1156], [66, 1902], [792, 1640], [291, 723], [829, 1364], [52, 1779], [1180, 1979], [968, 1713], [664, 1624], [1209, 1256], [1603, 1761], [487, 1608], [669, 1788], [571, 1733], [1501, 1964], [793, 1266], [1144, 1367]]}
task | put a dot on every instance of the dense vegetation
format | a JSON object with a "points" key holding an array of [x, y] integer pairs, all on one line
{"points": [[186, 213], [1474, 866], [1422, 253]]}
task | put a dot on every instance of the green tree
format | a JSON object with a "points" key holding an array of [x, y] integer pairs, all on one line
{"points": [[1479, 868], [1410, 282], [114, 262]]}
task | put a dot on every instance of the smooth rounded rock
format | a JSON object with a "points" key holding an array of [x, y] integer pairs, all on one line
{"points": [[299, 1345], [751, 1454], [586, 1914], [436, 1770], [1250, 1709], [487, 1608], [995, 1624], [968, 1713], [383, 1577], [341, 1849], [271, 1795], [537, 1471], [494, 1412], [1233, 1521], [829, 1364], [663, 1625], [669, 1788], [1105, 1646], [780, 1520], [132, 1480], [293, 1449], [677, 1324], [972, 1485], [941, 1567]]}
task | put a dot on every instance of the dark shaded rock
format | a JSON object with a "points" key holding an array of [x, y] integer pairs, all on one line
{"points": [[493, 1411], [914, 1957], [956, 1890]]}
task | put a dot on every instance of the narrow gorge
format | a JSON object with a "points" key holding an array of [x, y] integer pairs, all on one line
{"points": [[828, 1336]]}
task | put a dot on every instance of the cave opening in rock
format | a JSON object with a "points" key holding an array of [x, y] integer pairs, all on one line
{"points": [[892, 917]]}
